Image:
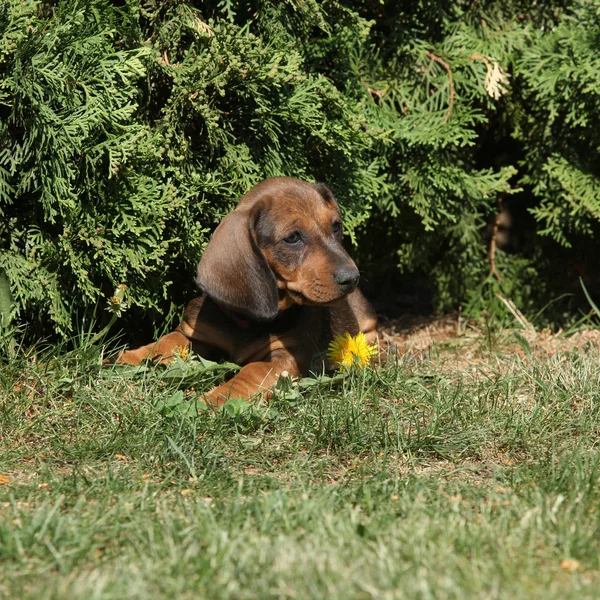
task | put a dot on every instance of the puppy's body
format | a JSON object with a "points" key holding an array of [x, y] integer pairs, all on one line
{"points": [[276, 287]]}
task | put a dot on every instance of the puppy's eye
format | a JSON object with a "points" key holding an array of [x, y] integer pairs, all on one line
{"points": [[293, 238], [336, 227]]}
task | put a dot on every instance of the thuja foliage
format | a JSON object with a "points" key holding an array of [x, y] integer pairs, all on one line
{"points": [[128, 129]]}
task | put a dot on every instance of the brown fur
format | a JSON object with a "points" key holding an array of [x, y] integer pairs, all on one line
{"points": [[276, 285]]}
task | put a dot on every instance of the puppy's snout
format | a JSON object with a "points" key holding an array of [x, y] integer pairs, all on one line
{"points": [[347, 278]]}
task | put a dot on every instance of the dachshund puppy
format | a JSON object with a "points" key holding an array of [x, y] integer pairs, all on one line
{"points": [[276, 286]]}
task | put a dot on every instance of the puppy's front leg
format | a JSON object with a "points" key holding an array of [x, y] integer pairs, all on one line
{"points": [[164, 349], [255, 377]]}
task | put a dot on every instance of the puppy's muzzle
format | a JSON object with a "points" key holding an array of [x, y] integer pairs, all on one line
{"points": [[346, 279]]}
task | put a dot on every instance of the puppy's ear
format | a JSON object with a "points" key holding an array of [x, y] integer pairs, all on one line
{"points": [[234, 272], [326, 193]]}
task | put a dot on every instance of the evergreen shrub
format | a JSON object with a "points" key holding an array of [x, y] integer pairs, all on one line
{"points": [[128, 129]]}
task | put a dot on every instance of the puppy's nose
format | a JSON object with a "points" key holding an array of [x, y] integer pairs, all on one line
{"points": [[347, 278]]}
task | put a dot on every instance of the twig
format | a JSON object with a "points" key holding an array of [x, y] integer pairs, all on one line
{"points": [[517, 314], [444, 64], [477, 56], [493, 240]]}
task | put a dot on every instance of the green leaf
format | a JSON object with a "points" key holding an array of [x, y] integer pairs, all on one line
{"points": [[235, 407]]}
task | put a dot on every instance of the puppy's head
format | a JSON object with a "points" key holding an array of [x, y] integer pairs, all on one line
{"points": [[280, 246]]}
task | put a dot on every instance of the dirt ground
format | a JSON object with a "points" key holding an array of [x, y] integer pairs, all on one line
{"points": [[460, 344]]}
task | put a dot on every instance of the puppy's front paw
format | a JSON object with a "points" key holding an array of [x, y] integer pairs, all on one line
{"points": [[233, 389], [217, 396], [127, 357]]}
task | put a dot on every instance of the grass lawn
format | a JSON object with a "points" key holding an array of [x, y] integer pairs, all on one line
{"points": [[469, 469]]}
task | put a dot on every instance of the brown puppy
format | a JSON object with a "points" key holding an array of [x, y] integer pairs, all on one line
{"points": [[276, 285]]}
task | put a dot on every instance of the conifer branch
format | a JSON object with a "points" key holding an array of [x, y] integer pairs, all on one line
{"points": [[189, 118], [445, 65], [374, 93]]}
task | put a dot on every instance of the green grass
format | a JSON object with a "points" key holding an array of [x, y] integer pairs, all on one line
{"points": [[414, 480]]}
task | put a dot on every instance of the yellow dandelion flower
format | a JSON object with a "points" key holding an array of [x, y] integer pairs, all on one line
{"points": [[182, 351], [346, 350]]}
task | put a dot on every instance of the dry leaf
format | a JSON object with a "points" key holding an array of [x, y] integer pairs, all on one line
{"points": [[569, 565], [496, 80]]}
